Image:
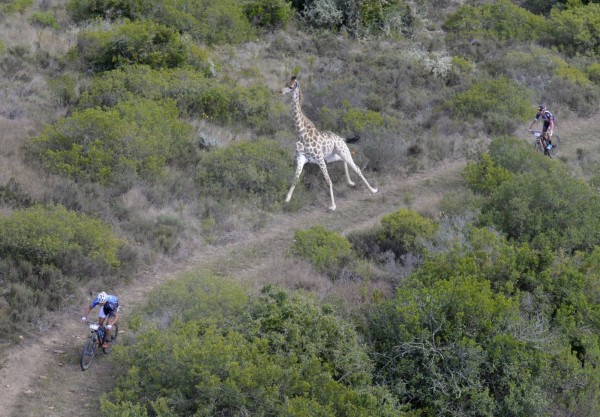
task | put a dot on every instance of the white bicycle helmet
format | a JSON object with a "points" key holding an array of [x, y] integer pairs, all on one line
{"points": [[102, 297]]}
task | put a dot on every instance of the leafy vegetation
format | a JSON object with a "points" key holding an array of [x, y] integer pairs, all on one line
{"points": [[159, 121], [137, 42], [253, 170], [327, 251], [43, 249], [272, 354], [135, 138]]}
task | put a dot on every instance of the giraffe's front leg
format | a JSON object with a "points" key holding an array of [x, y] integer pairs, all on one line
{"points": [[300, 161]]}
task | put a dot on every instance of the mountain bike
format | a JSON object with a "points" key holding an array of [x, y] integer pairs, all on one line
{"points": [[95, 341], [540, 144]]}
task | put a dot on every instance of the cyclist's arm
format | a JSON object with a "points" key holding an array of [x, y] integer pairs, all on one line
{"points": [[532, 123], [89, 307]]}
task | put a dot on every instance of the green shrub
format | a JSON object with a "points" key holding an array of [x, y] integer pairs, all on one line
{"points": [[83, 10], [405, 231], [231, 354], [41, 234], [439, 347], [575, 30], [541, 203], [327, 251], [268, 13], [207, 21], [255, 171], [501, 20], [65, 89], [195, 94], [16, 6], [484, 176], [114, 146], [44, 20], [435, 317], [162, 233], [593, 72], [351, 119], [13, 195], [499, 102], [137, 42]]}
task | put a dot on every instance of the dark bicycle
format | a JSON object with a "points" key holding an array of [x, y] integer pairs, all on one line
{"points": [[541, 145], [95, 341]]}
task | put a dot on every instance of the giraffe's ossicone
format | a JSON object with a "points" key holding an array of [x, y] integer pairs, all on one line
{"points": [[318, 147]]}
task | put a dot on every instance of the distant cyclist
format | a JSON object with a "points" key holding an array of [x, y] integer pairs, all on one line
{"points": [[548, 127], [109, 310]]}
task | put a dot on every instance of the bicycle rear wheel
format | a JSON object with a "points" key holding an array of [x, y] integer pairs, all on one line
{"points": [[88, 352], [555, 146], [115, 333]]}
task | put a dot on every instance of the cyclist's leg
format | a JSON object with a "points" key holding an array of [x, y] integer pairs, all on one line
{"points": [[112, 319]]}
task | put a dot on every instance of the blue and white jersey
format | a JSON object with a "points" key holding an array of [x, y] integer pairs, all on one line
{"points": [[111, 306]]}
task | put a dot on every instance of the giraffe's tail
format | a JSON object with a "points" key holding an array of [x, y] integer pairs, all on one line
{"points": [[353, 139]]}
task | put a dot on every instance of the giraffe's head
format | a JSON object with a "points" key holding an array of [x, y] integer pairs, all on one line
{"points": [[291, 85]]}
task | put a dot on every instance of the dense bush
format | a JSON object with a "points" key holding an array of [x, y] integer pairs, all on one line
{"points": [[501, 20], [405, 231], [16, 6], [327, 251], [162, 233], [484, 176], [45, 252], [360, 18], [205, 20], [540, 202], [351, 119], [500, 103], [255, 171], [137, 42], [13, 195], [134, 139], [576, 30], [276, 354], [40, 234], [469, 333], [269, 13], [195, 94]]}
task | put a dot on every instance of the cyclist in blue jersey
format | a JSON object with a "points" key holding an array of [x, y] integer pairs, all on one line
{"points": [[548, 127], [109, 311]]}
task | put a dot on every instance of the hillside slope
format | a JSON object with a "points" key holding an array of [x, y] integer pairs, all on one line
{"points": [[42, 376]]}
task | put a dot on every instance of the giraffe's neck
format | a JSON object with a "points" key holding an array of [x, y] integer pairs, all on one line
{"points": [[303, 123]]}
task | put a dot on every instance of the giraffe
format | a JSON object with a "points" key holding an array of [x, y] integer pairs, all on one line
{"points": [[318, 147]]}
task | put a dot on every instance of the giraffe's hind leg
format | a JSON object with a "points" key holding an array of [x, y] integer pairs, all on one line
{"points": [[346, 156]]}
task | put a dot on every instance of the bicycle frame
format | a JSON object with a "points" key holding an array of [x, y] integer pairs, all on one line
{"points": [[95, 341], [540, 144]]}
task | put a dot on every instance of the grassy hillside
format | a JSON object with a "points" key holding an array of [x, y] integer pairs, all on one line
{"points": [[142, 133]]}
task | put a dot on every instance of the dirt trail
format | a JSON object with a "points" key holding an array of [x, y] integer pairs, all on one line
{"points": [[41, 377]]}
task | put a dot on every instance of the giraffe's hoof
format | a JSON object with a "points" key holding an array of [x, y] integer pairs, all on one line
{"points": [[374, 190], [332, 208]]}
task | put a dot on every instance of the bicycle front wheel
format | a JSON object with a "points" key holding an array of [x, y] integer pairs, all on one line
{"points": [[88, 352]]}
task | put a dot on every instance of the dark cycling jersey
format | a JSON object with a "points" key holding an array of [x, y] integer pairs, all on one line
{"points": [[546, 118], [111, 305]]}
